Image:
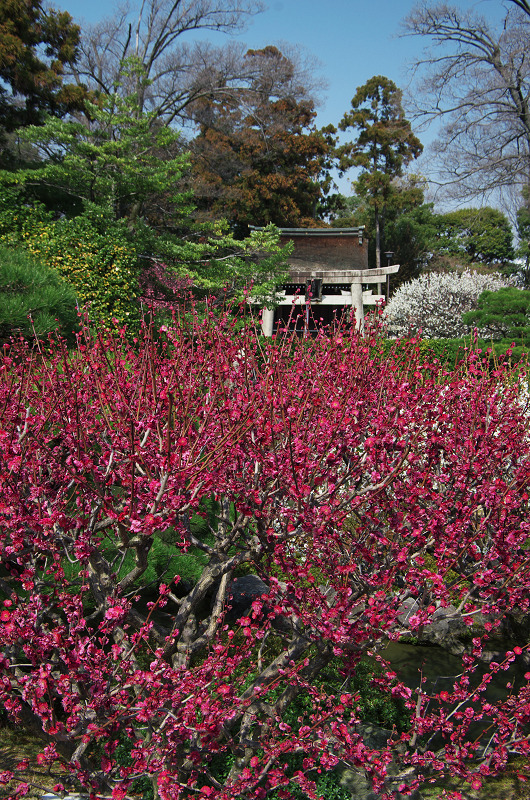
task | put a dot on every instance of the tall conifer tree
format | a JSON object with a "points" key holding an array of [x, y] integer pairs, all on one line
{"points": [[384, 145]]}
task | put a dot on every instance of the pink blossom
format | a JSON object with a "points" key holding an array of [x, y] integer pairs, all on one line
{"points": [[114, 612], [306, 534]]}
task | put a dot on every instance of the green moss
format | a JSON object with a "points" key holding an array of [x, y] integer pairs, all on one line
{"points": [[506, 786]]}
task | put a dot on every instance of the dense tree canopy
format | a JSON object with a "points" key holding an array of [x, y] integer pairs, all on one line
{"points": [[479, 235], [258, 158], [103, 176], [36, 45], [113, 161]]}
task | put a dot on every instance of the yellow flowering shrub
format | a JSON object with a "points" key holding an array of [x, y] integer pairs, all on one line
{"points": [[101, 265]]}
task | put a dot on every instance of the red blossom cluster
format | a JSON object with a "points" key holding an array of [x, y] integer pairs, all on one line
{"points": [[160, 289], [352, 480]]}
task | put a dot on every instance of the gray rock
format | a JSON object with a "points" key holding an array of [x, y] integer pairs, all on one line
{"points": [[52, 796], [360, 787], [242, 593], [449, 631], [356, 782], [446, 629], [357, 785]]}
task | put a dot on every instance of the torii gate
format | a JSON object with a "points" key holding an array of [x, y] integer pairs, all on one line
{"points": [[355, 297]]}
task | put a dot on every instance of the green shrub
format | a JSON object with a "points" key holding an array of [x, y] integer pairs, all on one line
{"points": [[34, 299], [449, 352], [504, 314], [97, 261], [94, 255]]}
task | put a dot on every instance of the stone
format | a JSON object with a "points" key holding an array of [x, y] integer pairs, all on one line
{"points": [[241, 594], [447, 628]]}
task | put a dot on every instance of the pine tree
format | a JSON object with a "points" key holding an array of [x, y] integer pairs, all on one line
{"points": [[384, 145]]}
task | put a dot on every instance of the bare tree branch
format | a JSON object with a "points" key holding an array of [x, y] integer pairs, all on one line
{"points": [[475, 80], [523, 5], [179, 69]]}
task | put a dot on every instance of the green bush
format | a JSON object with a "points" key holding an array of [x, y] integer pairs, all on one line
{"points": [[447, 351], [94, 255], [34, 299], [97, 260], [504, 314], [450, 352]]}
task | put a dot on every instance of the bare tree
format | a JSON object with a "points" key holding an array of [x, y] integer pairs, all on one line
{"points": [[523, 4], [475, 78], [176, 69]]}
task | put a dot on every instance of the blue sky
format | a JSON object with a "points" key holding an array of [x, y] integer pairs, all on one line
{"points": [[351, 39]]}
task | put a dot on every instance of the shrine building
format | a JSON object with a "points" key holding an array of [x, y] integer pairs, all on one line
{"points": [[327, 271]]}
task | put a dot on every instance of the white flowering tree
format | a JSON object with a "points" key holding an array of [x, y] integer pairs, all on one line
{"points": [[434, 303]]}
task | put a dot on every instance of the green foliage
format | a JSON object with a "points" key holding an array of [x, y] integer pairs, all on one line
{"points": [[408, 233], [18, 214], [99, 261], [101, 257], [227, 263], [505, 314], [36, 43], [407, 227], [112, 161], [385, 144], [420, 238], [164, 559], [327, 785], [107, 173], [373, 708], [122, 755], [475, 235], [516, 354], [143, 787], [448, 351], [33, 298], [94, 256], [101, 171], [346, 211]]}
